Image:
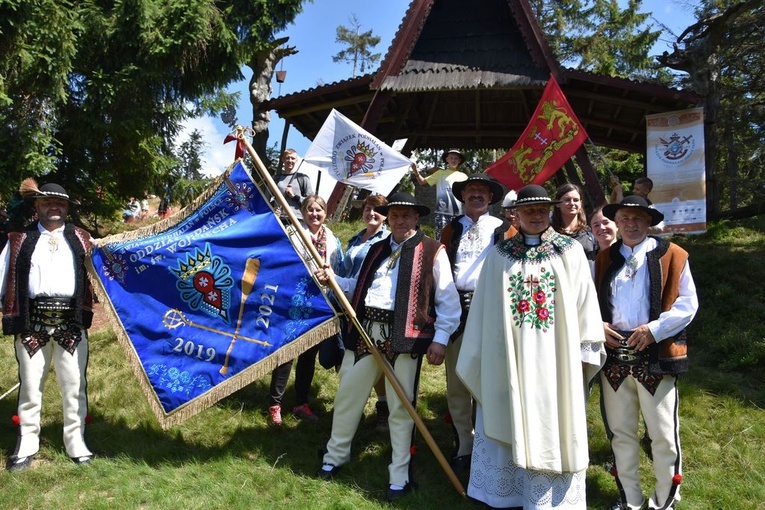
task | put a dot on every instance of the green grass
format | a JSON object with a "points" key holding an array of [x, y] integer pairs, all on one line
{"points": [[227, 457]]}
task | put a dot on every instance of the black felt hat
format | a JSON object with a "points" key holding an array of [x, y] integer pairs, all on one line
{"points": [[634, 202], [29, 189], [533, 194], [494, 186], [403, 199]]}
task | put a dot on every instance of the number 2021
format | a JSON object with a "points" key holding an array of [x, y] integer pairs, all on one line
{"points": [[264, 310]]}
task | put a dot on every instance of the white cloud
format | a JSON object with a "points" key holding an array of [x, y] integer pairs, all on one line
{"points": [[216, 156]]}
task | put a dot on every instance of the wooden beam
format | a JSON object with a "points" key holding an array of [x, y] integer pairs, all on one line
{"points": [[328, 105]]}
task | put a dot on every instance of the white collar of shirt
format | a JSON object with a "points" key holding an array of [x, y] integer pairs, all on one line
{"points": [[639, 251], [55, 232], [468, 221]]}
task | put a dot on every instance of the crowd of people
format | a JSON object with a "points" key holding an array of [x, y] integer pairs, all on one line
{"points": [[526, 311]]}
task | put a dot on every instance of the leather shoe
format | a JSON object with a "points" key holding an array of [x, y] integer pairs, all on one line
{"points": [[621, 505], [81, 461], [461, 463], [327, 474], [17, 464], [393, 495]]}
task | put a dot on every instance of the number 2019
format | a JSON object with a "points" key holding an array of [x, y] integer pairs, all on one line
{"points": [[188, 347]]}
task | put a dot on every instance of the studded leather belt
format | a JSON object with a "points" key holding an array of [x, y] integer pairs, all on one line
{"points": [[378, 315], [52, 311]]}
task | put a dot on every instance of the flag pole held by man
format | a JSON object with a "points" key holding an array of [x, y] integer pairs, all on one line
{"points": [[364, 339]]}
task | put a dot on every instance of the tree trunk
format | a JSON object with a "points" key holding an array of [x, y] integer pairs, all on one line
{"points": [[732, 167], [263, 65], [700, 59]]}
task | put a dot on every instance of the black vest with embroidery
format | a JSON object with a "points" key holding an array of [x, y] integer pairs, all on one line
{"points": [[414, 314], [16, 305]]}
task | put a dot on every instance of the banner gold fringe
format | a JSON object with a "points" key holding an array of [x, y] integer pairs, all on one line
{"points": [[250, 374], [265, 366], [166, 223]]}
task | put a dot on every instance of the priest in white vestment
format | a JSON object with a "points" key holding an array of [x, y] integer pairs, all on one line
{"points": [[532, 343]]}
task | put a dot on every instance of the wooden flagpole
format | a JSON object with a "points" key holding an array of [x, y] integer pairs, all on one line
{"points": [[350, 312]]}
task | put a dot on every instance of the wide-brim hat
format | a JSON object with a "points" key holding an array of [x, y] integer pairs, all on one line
{"points": [[509, 200], [29, 189], [634, 202], [453, 151], [496, 188], [402, 199], [533, 194]]}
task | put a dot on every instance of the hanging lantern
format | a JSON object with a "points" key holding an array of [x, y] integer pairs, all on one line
{"points": [[280, 76]]}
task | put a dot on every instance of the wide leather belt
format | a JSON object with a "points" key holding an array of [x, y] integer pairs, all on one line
{"points": [[626, 355], [378, 315], [51, 311]]}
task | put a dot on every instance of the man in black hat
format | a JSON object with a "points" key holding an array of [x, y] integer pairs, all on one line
{"points": [[47, 306], [647, 299], [532, 342], [406, 300], [468, 239]]}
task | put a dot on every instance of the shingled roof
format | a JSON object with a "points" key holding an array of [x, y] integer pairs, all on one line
{"points": [[469, 74]]}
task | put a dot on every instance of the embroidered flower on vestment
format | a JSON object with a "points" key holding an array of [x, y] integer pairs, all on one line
{"points": [[532, 299]]}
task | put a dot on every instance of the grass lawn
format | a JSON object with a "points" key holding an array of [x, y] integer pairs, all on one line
{"points": [[227, 457]]}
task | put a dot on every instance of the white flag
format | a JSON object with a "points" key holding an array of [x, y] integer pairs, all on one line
{"points": [[353, 156]]}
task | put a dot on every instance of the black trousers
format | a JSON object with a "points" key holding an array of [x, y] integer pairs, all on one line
{"points": [[304, 370]]}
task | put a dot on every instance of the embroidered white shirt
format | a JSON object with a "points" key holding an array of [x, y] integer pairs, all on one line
{"points": [[52, 266], [476, 241], [630, 295], [382, 291]]}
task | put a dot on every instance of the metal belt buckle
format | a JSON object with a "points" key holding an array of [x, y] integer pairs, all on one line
{"points": [[625, 357], [625, 354]]}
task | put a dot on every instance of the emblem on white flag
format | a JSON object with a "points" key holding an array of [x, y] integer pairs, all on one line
{"points": [[354, 156]]}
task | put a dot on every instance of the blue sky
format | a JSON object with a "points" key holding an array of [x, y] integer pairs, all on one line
{"points": [[313, 34]]}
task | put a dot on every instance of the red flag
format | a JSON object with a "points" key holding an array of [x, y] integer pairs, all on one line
{"points": [[553, 135], [239, 153]]}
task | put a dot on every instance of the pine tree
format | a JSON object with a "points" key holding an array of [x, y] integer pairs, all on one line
{"points": [[359, 46]]}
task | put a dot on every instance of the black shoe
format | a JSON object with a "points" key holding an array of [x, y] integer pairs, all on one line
{"points": [[327, 475], [382, 416], [645, 443], [18, 464], [85, 459], [461, 463], [620, 505], [393, 495]]}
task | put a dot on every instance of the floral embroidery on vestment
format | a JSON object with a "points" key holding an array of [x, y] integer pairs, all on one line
{"points": [[551, 245], [532, 297]]}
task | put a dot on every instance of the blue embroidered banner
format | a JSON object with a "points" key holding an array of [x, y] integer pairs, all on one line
{"points": [[210, 299]]}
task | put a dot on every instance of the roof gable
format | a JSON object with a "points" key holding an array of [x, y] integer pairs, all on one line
{"points": [[453, 44]]}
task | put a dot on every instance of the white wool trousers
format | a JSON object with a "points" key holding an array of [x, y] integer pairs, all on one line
{"points": [[356, 382], [459, 400], [622, 411], [70, 374]]}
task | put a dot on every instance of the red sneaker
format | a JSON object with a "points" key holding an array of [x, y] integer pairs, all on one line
{"points": [[304, 413], [275, 414]]}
